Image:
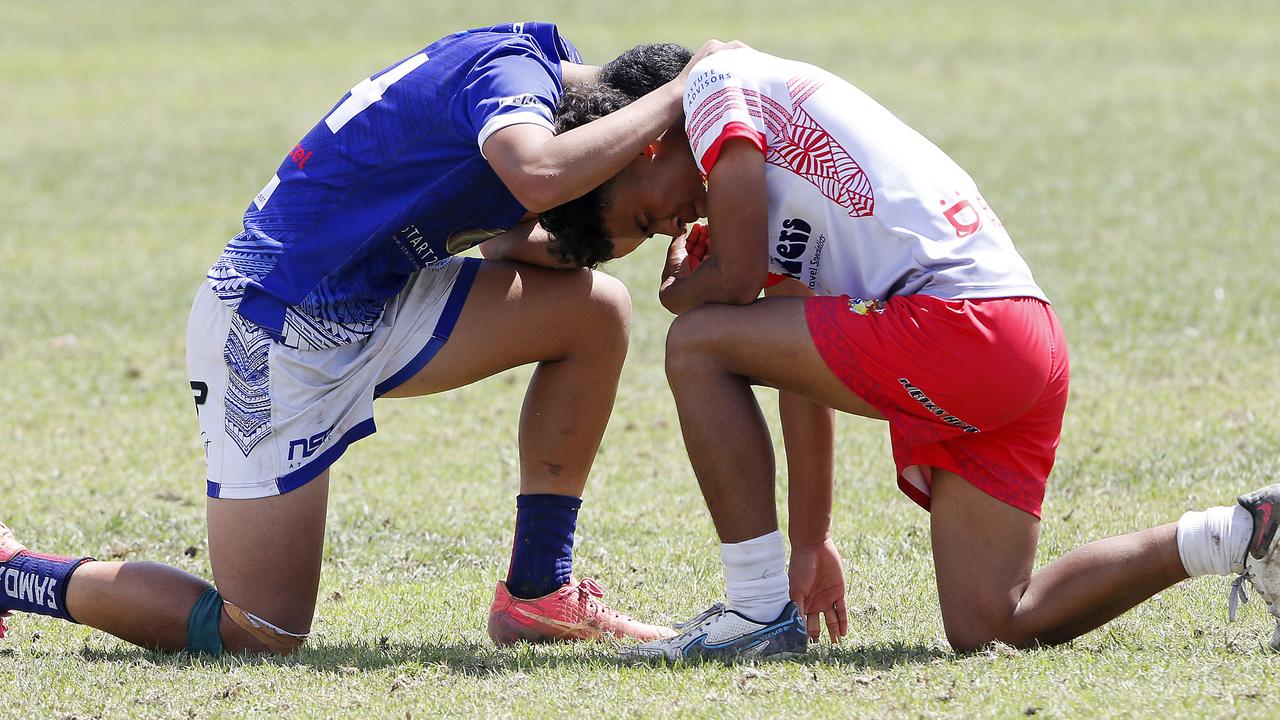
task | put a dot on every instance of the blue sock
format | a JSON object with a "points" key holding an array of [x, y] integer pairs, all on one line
{"points": [[542, 555], [37, 583]]}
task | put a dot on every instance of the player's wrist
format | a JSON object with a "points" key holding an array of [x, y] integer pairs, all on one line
{"points": [[809, 537], [673, 93]]}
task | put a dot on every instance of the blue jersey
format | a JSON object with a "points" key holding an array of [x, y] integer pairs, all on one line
{"points": [[389, 182]]}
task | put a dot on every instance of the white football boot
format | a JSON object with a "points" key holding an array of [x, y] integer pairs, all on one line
{"points": [[722, 634]]}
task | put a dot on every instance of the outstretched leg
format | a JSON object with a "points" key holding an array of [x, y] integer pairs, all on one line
{"points": [[266, 562], [983, 551]]}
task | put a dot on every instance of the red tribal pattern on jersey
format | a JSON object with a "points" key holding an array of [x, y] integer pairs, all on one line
{"points": [[800, 145]]}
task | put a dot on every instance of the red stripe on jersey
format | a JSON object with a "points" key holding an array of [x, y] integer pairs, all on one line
{"points": [[712, 110], [730, 131], [801, 88], [773, 279]]}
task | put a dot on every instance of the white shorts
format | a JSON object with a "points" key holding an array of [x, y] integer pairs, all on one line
{"points": [[272, 417]]}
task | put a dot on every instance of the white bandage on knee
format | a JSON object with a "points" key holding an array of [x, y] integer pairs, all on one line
{"points": [[1213, 542], [276, 639], [756, 576]]}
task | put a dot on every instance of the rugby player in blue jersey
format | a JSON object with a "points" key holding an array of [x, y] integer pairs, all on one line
{"points": [[345, 286]]}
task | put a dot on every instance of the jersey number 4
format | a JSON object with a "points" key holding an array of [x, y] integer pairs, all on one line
{"points": [[369, 91]]}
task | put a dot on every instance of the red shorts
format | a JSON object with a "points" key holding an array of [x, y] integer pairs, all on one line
{"points": [[977, 387]]}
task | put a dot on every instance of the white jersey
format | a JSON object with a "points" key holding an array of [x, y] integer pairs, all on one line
{"points": [[859, 203]]}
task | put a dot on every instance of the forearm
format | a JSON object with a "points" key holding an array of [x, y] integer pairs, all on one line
{"points": [[808, 431], [583, 158], [525, 243], [736, 265], [545, 170], [708, 284]]}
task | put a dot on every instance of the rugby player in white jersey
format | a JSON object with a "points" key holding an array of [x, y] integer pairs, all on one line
{"points": [[893, 292]]}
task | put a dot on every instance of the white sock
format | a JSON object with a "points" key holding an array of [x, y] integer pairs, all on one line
{"points": [[1213, 542], [756, 571]]}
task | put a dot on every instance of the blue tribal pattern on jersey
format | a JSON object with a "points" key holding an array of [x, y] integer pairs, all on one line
{"points": [[389, 182], [248, 402]]}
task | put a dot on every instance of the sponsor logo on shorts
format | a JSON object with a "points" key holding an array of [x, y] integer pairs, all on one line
{"points": [[918, 395], [308, 446]]}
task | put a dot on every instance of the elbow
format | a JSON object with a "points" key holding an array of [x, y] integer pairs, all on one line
{"points": [[742, 297], [535, 200], [536, 191], [538, 202], [743, 287]]}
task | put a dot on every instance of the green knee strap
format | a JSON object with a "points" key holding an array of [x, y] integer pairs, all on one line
{"points": [[203, 624]]}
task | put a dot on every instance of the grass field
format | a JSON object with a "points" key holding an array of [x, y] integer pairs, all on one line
{"points": [[1130, 147]]}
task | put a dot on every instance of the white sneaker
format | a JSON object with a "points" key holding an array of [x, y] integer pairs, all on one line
{"points": [[1261, 562], [722, 634]]}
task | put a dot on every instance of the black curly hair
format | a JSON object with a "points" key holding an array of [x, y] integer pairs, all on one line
{"points": [[645, 68], [577, 229]]}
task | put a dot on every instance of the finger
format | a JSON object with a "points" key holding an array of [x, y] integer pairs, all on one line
{"points": [[811, 624], [842, 614], [833, 625]]}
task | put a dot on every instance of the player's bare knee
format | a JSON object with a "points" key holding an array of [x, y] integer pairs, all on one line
{"points": [[611, 305], [687, 345], [600, 327], [973, 636]]}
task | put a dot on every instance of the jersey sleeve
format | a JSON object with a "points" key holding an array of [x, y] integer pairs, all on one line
{"points": [[724, 100], [513, 84]]}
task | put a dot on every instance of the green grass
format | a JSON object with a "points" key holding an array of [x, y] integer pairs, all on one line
{"points": [[1130, 147]]}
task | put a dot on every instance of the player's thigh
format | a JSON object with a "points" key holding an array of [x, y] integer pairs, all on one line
{"points": [[517, 314], [265, 554], [768, 342], [983, 553]]}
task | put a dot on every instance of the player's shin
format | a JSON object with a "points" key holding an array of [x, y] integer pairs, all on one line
{"points": [[542, 553]]}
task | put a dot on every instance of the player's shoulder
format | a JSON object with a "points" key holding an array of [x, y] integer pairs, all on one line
{"points": [[534, 39], [738, 67], [743, 60]]}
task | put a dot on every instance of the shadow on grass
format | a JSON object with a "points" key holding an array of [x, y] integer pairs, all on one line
{"points": [[482, 659]]}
